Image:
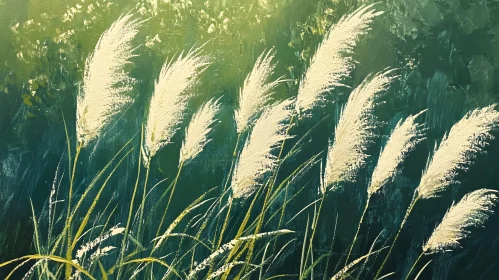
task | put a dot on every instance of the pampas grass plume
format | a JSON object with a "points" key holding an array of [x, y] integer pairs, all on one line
{"points": [[256, 157], [472, 211], [330, 63], [354, 132], [465, 140], [403, 139], [196, 136], [105, 80], [256, 90], [169, 100]]}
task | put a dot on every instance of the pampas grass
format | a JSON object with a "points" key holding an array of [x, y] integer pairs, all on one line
{"points": [[256, 158], [104, 84], [196, 138], [169, 100], [354, 132], [473, 210], [465, 140], [196, 135], [167, 107], [330, 63], [403, 139], [255, 93], [254, 172], [105, 80]]}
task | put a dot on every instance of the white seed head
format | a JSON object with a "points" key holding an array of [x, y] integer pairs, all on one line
{"points": [[196, 135], [105, 81], [169, 100], [256, 91], [330, 63], [355, 131], [229, 246], [403, 139], [92, 244], [472, 211], [256, 157], [465, 140]]}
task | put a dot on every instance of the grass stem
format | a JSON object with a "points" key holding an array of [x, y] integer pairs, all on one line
{"points": [[407, 213], [413, 266], [357, 232]]}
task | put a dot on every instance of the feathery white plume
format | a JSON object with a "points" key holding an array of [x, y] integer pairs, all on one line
{"points": [[472, 211], [256, 91], [330, 63], [92, 244], [196, 135], [403, 139], [101, 252], [169, 100], [465, 140], [256, 158], [105, 80], [354, 131], [229, 246]]}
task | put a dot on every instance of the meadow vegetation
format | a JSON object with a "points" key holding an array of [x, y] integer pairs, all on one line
{"points": [[268, 218]]}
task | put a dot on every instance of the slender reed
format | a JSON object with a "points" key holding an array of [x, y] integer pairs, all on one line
{"points": [[403, 140], [102, 97], [130, 211], [167, 107], [253, 97]]}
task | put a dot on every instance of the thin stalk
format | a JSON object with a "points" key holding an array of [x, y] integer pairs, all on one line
{"points": [[407, 213], [258, 227], [275, 177], [144, 193], [331, 248], [413, 266], [358, 229], [224, 226], [63, 235], [125, 234], [314, 228], [70, 194], [170, 198]]}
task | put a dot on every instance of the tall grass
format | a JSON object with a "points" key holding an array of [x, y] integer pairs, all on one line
{"points": [[455, 153], [404, 138], [211, 238]]}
